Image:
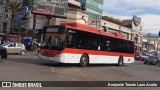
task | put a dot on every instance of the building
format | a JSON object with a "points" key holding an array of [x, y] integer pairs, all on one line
{"points": [[93, 7], [32, 23], [151, 42], [131, 28], [4, 19], [74, 14]]}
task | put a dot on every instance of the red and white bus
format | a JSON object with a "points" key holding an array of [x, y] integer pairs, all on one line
{"points": [[78, 43]]}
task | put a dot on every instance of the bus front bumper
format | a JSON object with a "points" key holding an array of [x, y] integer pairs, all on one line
{"points": [[56, 59]]}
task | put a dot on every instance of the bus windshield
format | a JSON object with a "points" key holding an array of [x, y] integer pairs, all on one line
{"points": [[53, 42]]}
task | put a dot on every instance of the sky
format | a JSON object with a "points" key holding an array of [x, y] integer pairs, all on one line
{"points": [[148, 10]]}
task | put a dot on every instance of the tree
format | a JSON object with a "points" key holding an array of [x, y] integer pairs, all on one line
{"points": [[14, 6]]}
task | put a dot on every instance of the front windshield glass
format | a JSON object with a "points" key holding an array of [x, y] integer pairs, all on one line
{"points": [[53, 42]]}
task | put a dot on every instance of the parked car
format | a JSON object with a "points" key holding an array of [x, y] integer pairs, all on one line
{"points": [[14, 47], [138, 55], [145, 55], [151, 60], [142, 55], [3, 53]]}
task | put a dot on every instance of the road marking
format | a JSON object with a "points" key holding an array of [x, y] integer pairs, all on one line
{"points": [[3, 61], [45, 70], [93, 70], [86, 77], [34, 57], [67, 73], [73, 79], [52, 69], [83, 74]]}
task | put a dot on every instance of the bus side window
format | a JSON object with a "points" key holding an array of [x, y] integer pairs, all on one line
{"points": [[67, 38], [72, 39], [108, 46], [82, 42]]}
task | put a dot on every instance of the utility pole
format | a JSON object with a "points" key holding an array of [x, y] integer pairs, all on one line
{"points": [[154, 45], [149, 38], [158, 42], [34, 24], [158, 45]]}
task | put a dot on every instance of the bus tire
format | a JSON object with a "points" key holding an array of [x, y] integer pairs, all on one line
{"points": [[84, 60], [120, 61]]}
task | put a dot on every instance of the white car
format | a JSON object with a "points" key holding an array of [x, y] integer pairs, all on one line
{"points": [[14, 47]]}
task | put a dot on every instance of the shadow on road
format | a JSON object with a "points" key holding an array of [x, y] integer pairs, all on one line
{"points": [[51, 64], [31, 58]]}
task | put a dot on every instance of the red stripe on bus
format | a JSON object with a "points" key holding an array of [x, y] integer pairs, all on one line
{"points": [[52, 53], [93, 52]]}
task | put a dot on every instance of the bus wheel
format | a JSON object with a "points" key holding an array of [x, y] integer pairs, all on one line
{"points": [[84, 61], [120, 61]]}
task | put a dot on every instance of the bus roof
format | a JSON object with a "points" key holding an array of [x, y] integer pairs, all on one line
{"points": [[91, 29]]}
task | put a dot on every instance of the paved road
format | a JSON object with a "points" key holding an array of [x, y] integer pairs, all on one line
{"points": [[28, 68]]}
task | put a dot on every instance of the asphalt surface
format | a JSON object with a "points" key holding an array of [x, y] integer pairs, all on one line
{"points": [[29, 68]]}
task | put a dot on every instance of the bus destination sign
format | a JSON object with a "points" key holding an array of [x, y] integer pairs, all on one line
{"points": [[52, 30], [56, 8]]}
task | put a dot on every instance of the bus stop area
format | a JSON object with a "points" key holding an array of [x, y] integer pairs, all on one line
{"points": [[24, 68]]}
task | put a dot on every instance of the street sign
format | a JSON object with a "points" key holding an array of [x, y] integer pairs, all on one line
{"points": [[136, 20], [21, 14], [56, 8]]}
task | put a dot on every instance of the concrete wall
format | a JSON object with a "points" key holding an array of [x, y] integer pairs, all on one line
{"points": [[73, 16]]}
